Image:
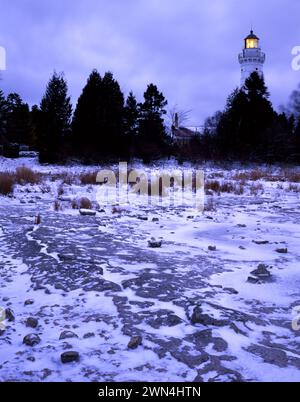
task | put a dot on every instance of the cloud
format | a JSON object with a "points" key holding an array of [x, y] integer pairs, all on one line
{"points": [[188, 47]]}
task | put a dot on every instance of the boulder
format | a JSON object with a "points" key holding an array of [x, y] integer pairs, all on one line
{"points": [[212, 248], [70, 357], [135, 342], [31, 322], [261, 272], [67, 335], [29, 302], [31, 340], [9, 315], [153, 243], [87, 212], [282, 251]]}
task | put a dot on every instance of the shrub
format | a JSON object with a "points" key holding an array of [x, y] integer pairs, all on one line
{"points": [[88, 178], [6, 183], [85, 203], [25, 175]]}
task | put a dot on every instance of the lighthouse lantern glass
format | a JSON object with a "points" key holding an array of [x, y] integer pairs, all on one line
{"points": [[251, 43]]}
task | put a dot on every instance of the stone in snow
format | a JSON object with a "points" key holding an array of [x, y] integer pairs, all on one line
{"points": [[153, 243], [31, 340], [282, 250], [67, 335], [32, 322], [29, 302], [69, 357], [212, 248], [261, 272], [87, 212], [9, 315], [198, 317], [135, 342], [261, 242]]}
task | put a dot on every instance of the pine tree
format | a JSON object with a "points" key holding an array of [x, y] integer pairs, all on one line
{"points": [[54, 119], [3, 118], [152, 130], [111, 108], [131, 124], [244, 128], [86, 120], [18, 120]]}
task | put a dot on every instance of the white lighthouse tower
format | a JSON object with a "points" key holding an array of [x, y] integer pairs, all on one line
{"points": [[252, 58]]}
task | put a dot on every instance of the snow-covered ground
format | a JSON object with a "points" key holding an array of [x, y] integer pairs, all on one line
{"points": [[98, 278]]}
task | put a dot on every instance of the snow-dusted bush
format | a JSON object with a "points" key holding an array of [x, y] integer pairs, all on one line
{"points": [[6, 183]]}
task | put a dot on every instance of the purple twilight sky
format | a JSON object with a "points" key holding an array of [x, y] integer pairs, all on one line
{"points": [[189, 48]]}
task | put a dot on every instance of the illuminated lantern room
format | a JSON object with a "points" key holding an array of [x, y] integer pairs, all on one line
{"points": [[252, 41], [252, 58]]}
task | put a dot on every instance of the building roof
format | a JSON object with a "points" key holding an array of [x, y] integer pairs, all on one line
{"points": [[252, 36], [183, 133]]}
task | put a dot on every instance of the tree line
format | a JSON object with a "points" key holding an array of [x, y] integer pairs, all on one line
{"points": [[249, 129], [106, 126]]}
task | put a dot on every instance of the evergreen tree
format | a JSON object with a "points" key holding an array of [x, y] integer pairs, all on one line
{"points": [[3, 118], [131, 116], [18, 120], [86, 120], [244, 128], [152, 130], [131, 124], [111, 116], [54, 119]]}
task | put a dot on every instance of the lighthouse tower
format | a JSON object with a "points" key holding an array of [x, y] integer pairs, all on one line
{"points": [[252, 58]]}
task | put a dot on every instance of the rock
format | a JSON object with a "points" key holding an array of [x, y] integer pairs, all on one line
{"points": [[31, 340], [241, 225], [261, 242], [155, 220], [231, 290], [9, 315], [87, 212], [261, 272], [69, 357], [282, 251], [29, 302], [66, 257], [135, 342], [89, 335], [253, 280], [212, 248], [143, 218], [198, 317], [67, 335], [32, 322], [153, 243]]}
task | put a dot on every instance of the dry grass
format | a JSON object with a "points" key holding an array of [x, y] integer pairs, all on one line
{"points": [[292, 176], [6, 183], [256, 189], [56, 206], [209, 205], [88, 178], [74, 204], [226, 187], [38, 219], [25, 175], [85, 203], [293, 188]]}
